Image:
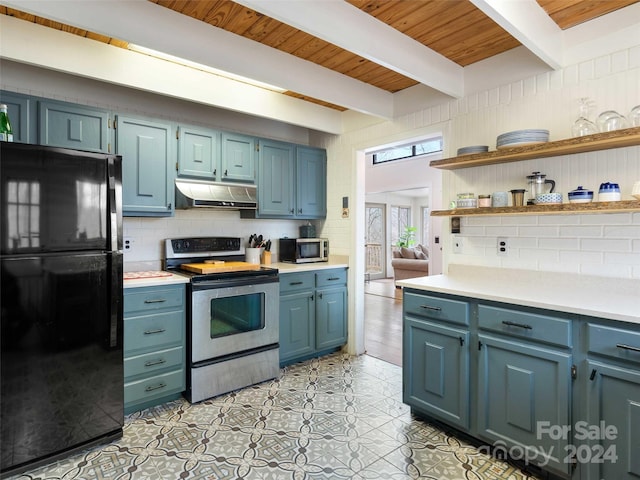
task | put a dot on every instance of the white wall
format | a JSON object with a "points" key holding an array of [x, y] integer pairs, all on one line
{"points": [[606, 245]]}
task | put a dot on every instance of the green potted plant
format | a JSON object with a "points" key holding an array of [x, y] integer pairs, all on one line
{"points": [[407, 238]]}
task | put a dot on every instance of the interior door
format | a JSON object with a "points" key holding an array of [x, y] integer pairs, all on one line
{"points": [[375, 245]]}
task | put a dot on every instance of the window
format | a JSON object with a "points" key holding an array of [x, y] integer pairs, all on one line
{"points": [[402, 152], [400, 220], [23, 212]]}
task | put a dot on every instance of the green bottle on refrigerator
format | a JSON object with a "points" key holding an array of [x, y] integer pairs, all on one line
{"points": [[6, 133]]}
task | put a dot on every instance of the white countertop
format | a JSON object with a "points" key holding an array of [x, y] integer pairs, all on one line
{"points": [[283, 268], [171, 279], [612, 298]]}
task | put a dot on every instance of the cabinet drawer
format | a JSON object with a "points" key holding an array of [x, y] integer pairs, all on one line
{"points": [[532, 326], [153, 299], [154, 361], [294, 282], [331, 277], [154, 387], [614, 342], [153, 331], [442, 309]]}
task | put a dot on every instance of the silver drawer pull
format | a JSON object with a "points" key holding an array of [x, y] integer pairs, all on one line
{"points": [[155, 362], [519, 325], [429, 307], [295, 283], [159, 300], [155, 387], [151, 332], [627, 347], [332, 279]]}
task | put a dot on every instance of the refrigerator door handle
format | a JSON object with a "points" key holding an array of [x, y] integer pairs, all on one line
{"points": [[115, 210]]}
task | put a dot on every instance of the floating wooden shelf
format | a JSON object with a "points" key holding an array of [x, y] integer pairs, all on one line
{"points": [[560, 209], [590, 143]]}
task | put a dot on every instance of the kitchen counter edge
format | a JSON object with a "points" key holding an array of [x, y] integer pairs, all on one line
{"points": [[602, 297], [173, 279]]}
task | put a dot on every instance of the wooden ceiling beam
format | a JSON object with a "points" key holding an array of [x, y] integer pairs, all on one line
{"points": [[526, 21], [346, 26]]}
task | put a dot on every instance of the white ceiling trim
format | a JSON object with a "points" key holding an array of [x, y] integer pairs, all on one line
{"points": [[64, 52], [346, 26], [152, 26], [527, 21]]}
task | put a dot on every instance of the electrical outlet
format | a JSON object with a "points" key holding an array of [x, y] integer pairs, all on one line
{"points": [[127, 244], [457, 244], [502, 246]]}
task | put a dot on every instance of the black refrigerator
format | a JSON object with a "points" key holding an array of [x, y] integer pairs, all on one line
{"points": [[61, 367]]}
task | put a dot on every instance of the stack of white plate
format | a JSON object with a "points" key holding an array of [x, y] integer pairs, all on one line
{"points": [[522, 137], [473, 149]]}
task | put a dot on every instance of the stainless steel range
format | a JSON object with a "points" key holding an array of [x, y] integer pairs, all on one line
{"points": [[232, 315]]}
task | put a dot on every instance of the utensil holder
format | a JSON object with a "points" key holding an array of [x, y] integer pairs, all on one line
{"points": [[252, 255]]}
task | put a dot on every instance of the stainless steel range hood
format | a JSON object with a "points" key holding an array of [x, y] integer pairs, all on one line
{"points": [[202, 194]]}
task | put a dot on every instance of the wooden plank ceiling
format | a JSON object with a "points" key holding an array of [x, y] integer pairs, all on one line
{"points": [[455, 29]]}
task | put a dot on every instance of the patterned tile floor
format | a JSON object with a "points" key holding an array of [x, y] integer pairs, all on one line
{"points": [[338, 417]]}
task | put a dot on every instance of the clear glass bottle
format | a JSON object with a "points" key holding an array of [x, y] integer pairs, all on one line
{"points": [[6, 133], [583, 126]]}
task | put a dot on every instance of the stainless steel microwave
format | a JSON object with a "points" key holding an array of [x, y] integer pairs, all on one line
{"points": [[303, 250]]}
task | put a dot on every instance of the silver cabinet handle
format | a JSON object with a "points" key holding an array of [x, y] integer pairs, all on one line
{"points": [[429, 307], [519, 325], [295, 283], [155, 362], [151, 388], [627, 347], [159, 300], [333, 279], [151, 332]]}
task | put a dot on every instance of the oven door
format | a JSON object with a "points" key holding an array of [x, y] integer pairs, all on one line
{"points": [[233, 319]]}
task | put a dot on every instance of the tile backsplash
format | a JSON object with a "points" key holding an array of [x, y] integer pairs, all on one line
{"points": [[147, 234]]}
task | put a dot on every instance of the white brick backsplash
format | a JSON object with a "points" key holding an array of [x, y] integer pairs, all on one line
{"points": [[559, 243], [575, 257], [622, 231], [502, 231], [581, 231], [539, 231], [620, 258], [605, 245]]}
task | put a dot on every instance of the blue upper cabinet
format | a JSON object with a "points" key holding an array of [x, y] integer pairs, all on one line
{"points": [[276, 176], [199, 153], [73, 126], [22, 115], [311, 171], [292, 181], [237, 163], [148, 168]]}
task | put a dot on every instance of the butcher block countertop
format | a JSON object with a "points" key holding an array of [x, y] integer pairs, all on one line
{"points": [[611, 298]]}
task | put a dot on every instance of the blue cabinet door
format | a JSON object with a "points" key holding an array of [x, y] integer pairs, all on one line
{"points": [[22, 115], [436, 370], [311, 172], [276, 177], [199, 152], [148, 169], [297, 333], [238, 158], [613, 414], [73, 126], [331, 318], [523, 390]]}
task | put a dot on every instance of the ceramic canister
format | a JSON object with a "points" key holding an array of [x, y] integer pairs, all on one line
{"points": [[499, 199]]}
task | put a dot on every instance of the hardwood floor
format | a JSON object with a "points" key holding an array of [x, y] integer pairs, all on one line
{"points": [[383, 320]]}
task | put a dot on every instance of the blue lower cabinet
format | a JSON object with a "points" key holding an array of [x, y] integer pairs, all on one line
{"points": [[154, 345], [313, 313], [523, 396], [612, 429], [436, 371]]}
